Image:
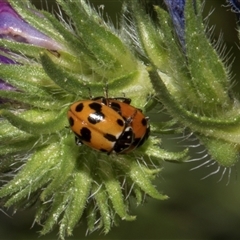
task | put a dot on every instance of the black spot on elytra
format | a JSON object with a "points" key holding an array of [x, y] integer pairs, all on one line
{"points": [[79, 107], [116, 107], [71, 121], [85, 134], [96, 106], [144, 121], [96, 117], [120, 122], [147, 133], [110, 137]]}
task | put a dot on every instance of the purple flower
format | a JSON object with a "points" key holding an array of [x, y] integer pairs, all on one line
{"points": [[6, 60], [235, 5], [176, 10], [5, 86], [13, 27]]}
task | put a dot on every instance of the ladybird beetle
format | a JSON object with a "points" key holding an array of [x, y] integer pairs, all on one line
{"points": [[132, 115], [100, 127], [108, 124]]}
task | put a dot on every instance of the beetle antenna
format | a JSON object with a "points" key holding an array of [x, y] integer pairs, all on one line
{"points": [[105, 89], [89, 92]]}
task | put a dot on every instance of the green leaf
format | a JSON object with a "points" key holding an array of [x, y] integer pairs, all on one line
{"points": [[79, 193], [38, 122], [33, 99], [28, 78], [58, 206], [101, 197], [208, 74], [20, 145], [34, 174], [150, 38], [67, 81], [102, 42], [224, 152], [63, 169], [113, 188], [24, 49], [141, 176]]}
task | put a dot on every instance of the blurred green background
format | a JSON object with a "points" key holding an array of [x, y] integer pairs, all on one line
{"points": [[196, 209]]}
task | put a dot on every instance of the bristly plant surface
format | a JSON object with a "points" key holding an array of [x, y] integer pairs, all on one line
{"points": [[160, 58]]}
